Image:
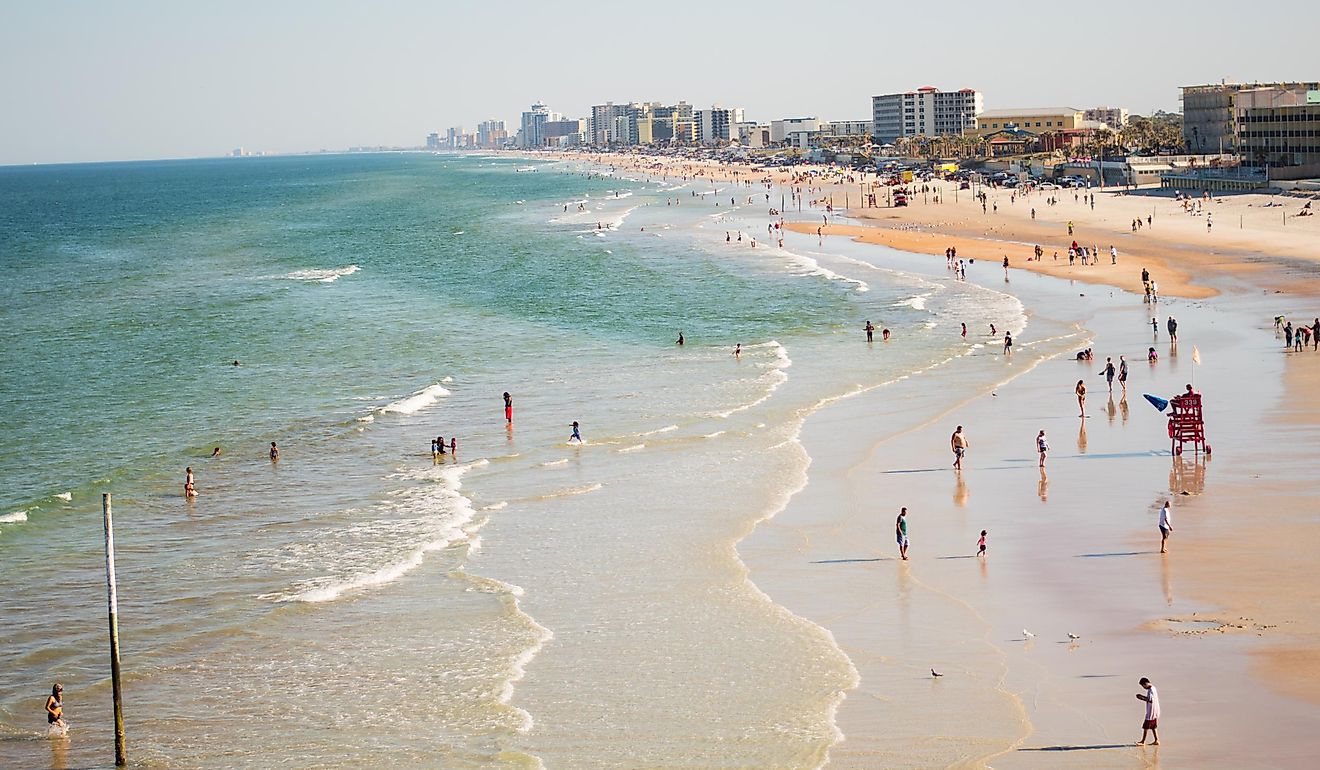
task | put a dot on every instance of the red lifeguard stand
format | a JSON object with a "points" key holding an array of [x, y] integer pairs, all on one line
{"points": [[1187, 423]]}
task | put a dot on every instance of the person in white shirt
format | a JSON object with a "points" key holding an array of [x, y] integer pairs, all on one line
{"points": [[1042, 446], [1152, 699], [1166, 526]]}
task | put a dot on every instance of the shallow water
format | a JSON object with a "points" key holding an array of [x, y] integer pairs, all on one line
{"points": [[528, 602]]}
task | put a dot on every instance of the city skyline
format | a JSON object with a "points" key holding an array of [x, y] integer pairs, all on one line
{"points": [[152, 80]]}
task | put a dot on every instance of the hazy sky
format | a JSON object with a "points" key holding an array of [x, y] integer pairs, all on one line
{"points": [[119, 80]]}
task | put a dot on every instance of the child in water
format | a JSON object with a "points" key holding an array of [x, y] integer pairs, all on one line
{"points": [[980, 544], [576, 435]]}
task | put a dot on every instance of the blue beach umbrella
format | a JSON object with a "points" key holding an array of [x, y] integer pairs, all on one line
{"points": [[1157, 402]]}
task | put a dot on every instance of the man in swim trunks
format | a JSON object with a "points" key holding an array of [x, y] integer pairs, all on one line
{"points": [[1151, 722], [958, 442], [508, 408]]}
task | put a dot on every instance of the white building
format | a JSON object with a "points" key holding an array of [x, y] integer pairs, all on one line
{"points": [[531, 132], [718, 124], [1113, 117], [754, 134], [608, 124], [926, 111], [780, 129], [847, 128]]}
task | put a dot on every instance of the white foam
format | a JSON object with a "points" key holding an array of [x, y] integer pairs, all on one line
{"points": [[417, 401], [571, 491], [634, 448], [553, 463], [327, 275], [808, 266], [716, 434], [457, 513], [65, 496], [17, 517], [367, 418], [665, 429], [501, 505], [917, 302]]}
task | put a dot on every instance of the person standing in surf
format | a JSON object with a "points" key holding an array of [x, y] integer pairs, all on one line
{"points": [[900, 533], [274, 452], [508, 408], [870, 331], [679, 342], [1123, 373], [1042, 447], [55, 707], [1080, 390], [189, 488], [576, 435], [1108, 372]]}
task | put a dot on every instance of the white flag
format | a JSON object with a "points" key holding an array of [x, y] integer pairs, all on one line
{"points": [[1196, 355]]}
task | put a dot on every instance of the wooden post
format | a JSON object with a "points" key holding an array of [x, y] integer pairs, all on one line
{"points": [[112, 595]]}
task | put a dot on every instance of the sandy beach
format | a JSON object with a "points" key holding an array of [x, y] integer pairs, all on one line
{"points": [[1221, 622]]}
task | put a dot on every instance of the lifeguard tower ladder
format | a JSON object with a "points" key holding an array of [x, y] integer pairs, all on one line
{"points": [[1187, 424]]}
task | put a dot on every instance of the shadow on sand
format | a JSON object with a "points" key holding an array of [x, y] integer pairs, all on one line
{"points": [[849, 561], [1094, 747]]}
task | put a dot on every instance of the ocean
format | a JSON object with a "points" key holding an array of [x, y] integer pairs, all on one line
{"points": [[527, 602]]}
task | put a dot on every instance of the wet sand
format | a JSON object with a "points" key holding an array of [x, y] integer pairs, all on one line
{"points": [[1072, 550]]}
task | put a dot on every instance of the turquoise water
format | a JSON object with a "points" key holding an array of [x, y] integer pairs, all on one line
{"points": [[525, 603]]}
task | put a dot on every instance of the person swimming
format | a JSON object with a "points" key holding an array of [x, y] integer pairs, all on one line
{"points": [[215, 452]]}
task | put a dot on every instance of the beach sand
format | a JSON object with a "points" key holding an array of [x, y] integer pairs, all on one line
{"points": [[1222, 623]]}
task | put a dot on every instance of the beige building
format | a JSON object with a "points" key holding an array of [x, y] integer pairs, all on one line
{"points": [[1037, 121]]}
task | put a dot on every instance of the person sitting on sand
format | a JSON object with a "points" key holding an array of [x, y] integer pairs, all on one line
{"points": [[1152, 356]]}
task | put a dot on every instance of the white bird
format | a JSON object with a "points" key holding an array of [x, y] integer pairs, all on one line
{"points": [[1027, 634], [1074, 636], [933, 672]]}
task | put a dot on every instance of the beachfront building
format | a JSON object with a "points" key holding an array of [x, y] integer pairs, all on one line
{"points": [[926, 111], [1038, 120], [531, 132], [1278, 127], [1114, 118], [841, 128], [609, 124], [780, 129], [754, 135], [565, 132], [491, 134], [718, 124], [433, 141]]}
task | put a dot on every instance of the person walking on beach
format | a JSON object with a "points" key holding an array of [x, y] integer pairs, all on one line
{"points": [[274, 452], [576, 435], [1151, 722], [1008, 343], [1123, 373], [900, 533], [1108, 372], [1166, 527], [1172, 325], [958, 442], [1042, 447], [980, 544], [1080, 390], [1113, 255], [508, 408], [55, 708], [870, 331]]}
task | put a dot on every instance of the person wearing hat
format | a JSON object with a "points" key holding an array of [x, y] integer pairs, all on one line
{"points": [[55, 706]]}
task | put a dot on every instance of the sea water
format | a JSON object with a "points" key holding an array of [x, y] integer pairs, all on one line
{"points": [[528, 602]]}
